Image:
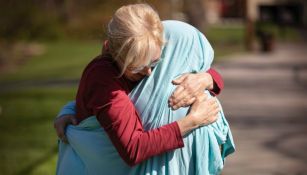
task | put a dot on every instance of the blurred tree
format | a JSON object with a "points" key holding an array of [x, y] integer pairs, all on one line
{"points": [[51, 19], [28, 19], [194, 10]]}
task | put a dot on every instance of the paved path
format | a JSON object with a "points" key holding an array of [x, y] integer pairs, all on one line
{"points": [[265, 99]]}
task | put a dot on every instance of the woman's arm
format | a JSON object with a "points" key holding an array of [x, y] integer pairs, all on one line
{"points": [[218, 82], [128, 136], [122, 123], [191, 84], [107, 98]]}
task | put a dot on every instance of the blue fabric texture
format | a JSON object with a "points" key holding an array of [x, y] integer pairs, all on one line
{"points": [[91, 152]]}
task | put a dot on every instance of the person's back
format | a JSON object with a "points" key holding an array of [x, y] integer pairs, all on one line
{"points": [[101, 70]]}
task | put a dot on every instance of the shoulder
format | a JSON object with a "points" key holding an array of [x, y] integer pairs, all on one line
{"points": [[101, 69], [100, 83]]}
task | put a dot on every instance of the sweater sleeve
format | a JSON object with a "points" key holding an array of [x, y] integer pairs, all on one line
{"points": [[107, 98], [121, 121], [218, 82]]}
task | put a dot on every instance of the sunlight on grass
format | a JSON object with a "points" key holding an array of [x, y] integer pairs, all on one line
{"points": [[26, 128], [225, 39], [47, 168], [61, 60], [226, 34]]}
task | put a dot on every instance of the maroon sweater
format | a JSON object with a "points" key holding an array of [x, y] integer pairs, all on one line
{"points": [[102, 93]]}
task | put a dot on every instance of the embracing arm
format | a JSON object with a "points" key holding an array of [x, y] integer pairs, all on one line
{"points": [[107, 99], [190, 85], [218, 82], [123, 125]]}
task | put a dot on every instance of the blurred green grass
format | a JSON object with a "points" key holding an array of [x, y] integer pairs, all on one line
{"points": [[28, 141], [226, 39], [226, 34], [63, 59], [27, 136]]}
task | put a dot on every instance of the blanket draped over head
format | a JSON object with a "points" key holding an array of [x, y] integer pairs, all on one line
{"points": [[91, 152]]}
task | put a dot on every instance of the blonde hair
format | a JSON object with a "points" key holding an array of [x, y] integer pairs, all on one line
{"points": [[135, 33]]}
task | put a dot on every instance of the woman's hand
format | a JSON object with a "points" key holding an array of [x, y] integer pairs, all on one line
{"points": [[189, 86], [60, 124], [203, 112]]}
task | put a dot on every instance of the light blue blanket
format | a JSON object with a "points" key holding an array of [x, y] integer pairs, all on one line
{"points": [[90, 151]]}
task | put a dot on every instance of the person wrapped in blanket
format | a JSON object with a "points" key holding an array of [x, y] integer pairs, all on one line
{"points": [[143, 105]]}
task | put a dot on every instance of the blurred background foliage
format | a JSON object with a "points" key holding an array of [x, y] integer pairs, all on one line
{"points": [[44, 46], [54, 19], [40, 35]]}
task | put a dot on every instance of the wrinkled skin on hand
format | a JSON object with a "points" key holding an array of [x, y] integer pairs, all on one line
{"points": [[189, 86]]}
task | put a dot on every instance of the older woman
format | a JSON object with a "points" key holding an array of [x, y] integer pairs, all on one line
{"points": [[115, 88]]}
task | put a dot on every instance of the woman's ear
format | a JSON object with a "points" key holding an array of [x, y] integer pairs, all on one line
{"points": [[106, 45]]}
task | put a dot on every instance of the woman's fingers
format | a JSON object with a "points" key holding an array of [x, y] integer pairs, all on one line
{"points": [[183, 97], [184, 102], [206, 109], [63, 138], [173, 100], [60, 126], [202, 97], [179, 89], [213, 111], [188, 88], [60, 130], [179, 80], [73, 120]]}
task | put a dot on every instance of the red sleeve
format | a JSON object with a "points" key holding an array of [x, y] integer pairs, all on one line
{"points": [[122, 123], [218, 82], [118, 116]]}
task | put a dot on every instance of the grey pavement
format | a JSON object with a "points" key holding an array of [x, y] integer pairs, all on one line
{"points": [[265, 101]]}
